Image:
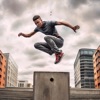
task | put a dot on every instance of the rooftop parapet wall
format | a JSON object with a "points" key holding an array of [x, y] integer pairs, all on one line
{"points": [[13, 93]]}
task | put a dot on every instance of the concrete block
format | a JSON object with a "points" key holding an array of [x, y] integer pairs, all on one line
{"points": [[51, 86]]}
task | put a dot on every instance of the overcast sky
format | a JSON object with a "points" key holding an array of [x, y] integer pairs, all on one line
{"points": [[16, 16]]}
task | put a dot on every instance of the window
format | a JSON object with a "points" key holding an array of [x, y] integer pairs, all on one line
{"points": [[4, 73], [0, 63], [91, 52], [1, 56], [86, 57], [85, 52], [0, 76], [28, 85], [87, 87], [82, 52], [98, 64], [0, 70], [21, 85], [98, 84]]}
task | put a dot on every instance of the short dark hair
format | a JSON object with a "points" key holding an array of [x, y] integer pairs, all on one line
{"points": [[36, 17]]}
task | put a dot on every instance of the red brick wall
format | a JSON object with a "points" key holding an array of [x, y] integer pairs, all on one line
{"points": [[2, 70]]}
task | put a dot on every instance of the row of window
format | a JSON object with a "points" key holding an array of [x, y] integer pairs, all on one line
{"points": [[12, 80], [87, 76], [10, 85], [86, 70], [86, 67], [87, 80], [87, 84], [86, 57], [86, 60], [87, 64], [92, 86], [87, 52]]}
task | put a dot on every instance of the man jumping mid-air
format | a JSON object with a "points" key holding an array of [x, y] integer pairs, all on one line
{"points": [[53, 41]]}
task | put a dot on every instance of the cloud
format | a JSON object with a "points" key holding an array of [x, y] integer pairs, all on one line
{"points": [[94, 1], [15, 7], [28, 72], [77, 3], [36, 58], [32, 3], [97, 29], [2, 29], [85, 41], [19, 23], [40, 64], [91, 14], [18, 7], [1, 15], [32, 54]]}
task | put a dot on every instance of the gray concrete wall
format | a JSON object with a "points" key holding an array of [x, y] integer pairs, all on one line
{"points": [[51, 86], [13, 93], [84, 94]]}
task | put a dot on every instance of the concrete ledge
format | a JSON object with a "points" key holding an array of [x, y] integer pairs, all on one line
{"points": [[51, 86]]}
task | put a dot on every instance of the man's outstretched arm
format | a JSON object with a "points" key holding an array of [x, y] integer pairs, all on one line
{"points": [[74, 28], [26, 35]]}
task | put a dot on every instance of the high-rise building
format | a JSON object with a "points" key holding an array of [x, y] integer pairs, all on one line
{"points": [[83, 69], [96, 63], [2, 70], [24, 84], [12, 71]]}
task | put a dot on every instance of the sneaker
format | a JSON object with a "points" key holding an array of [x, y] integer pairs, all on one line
{"points": [[58, 57]]}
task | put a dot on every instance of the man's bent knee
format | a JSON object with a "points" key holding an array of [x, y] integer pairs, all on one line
{"points": [[36, 45], [46, 38]]}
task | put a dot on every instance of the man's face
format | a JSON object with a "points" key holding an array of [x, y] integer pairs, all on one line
{"points": [[38, 22]]}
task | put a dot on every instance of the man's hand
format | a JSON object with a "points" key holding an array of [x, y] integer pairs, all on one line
{"points": [[20, 34], [76, 28]]}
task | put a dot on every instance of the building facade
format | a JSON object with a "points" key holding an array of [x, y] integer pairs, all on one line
{"points": [[83, 69], [12, 71], [24, 84], [96, 63], [2, 70]]}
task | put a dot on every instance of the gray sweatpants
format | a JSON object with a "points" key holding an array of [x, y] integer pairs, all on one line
{"points": [[51, 45]]}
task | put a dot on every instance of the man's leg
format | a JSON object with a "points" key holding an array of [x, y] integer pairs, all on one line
{"points": [[55, 43], [43, 47]]}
